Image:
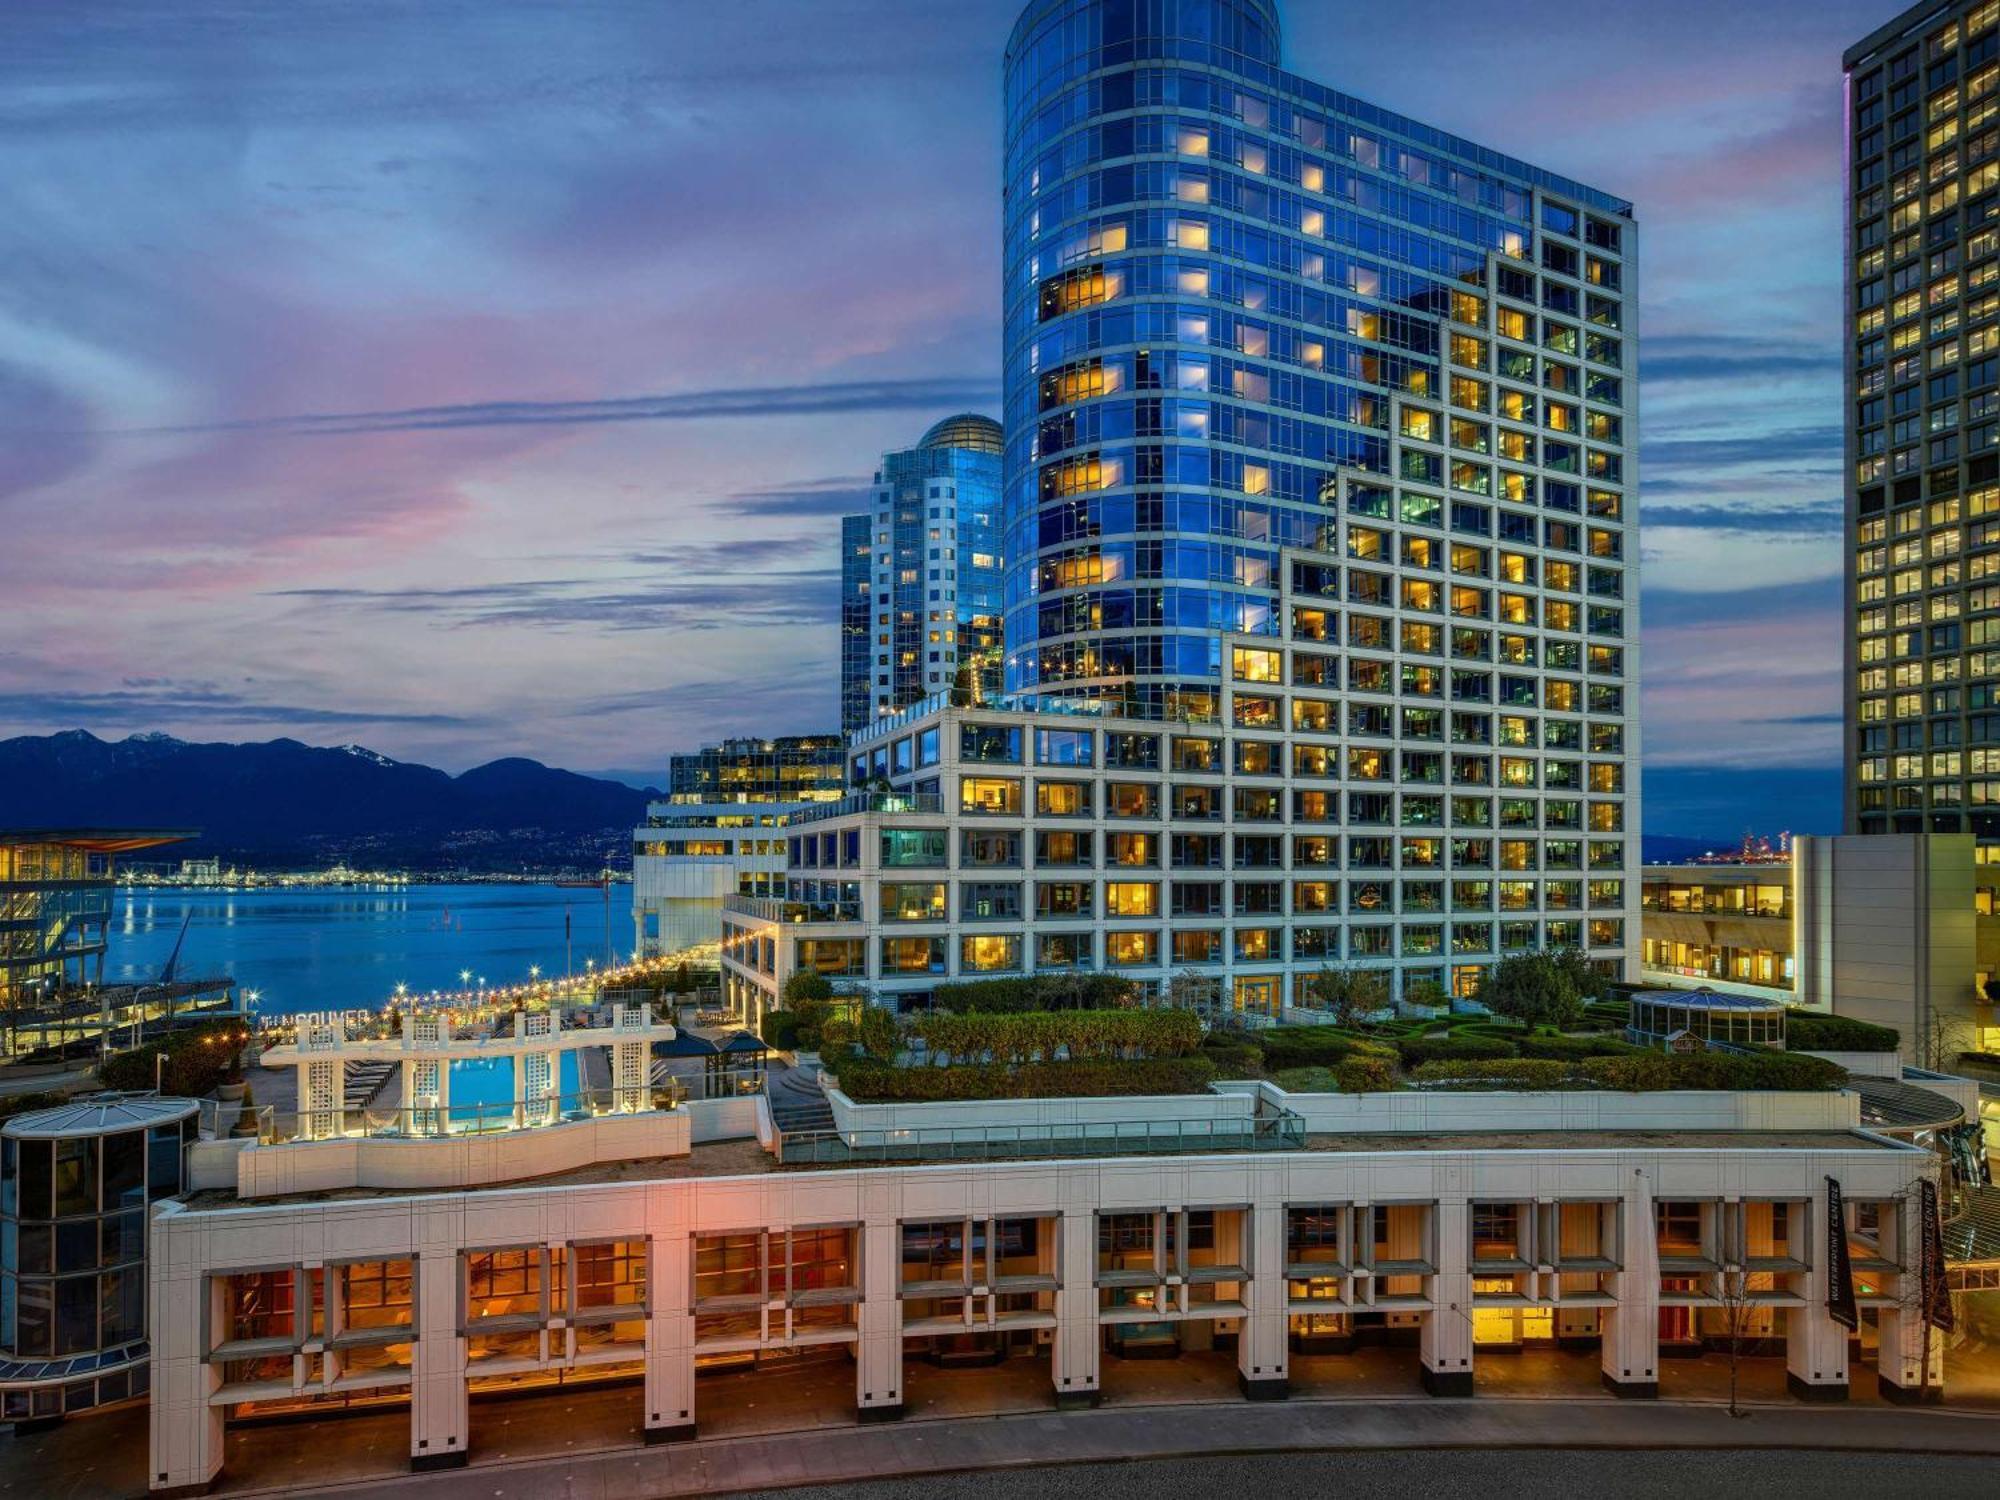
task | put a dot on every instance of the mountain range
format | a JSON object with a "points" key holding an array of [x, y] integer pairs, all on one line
{"points": [[281, 802]]}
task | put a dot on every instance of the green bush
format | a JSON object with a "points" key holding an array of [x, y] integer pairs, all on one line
{"points": [[1233, 1057], [1306, 1046], [1570, 1047], [1805, 1032], [1500, 1072], [868, 1081], [23, 1104], [1030, 1036], [1535, 988], [1365, 1075], [1036, 992], [1419, 1050], [781, 1030], [198, 1058], [1641, 1071]]}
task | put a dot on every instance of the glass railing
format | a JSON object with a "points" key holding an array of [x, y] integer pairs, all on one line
{"points": [[867, 802], [1276, 1131], [474, 1117]]}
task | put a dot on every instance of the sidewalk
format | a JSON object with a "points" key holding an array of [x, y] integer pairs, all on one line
{"points": [[832, 1456]]}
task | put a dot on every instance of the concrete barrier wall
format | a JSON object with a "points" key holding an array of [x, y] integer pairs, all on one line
{"points": [[462, 1161], [1047, 1113], [1411, 1112], [723, 1119]]}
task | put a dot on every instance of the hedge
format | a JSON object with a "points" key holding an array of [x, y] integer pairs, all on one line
{"points": [[1805, 1032], [1571, 1047], [780, 1030], [1420, 1050], [1028, 1036], [1642, 1071], [1036, 992], [195, 1063], [867, 1081], [1233, 1057], [1316, 1046]]}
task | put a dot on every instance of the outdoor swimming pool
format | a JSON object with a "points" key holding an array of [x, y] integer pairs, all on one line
{"points": [[484, 1087]]}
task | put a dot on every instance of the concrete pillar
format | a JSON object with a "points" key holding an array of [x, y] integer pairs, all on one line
{"points": [[440, 1420], [1075, 1358], [1446, 1341], [1261, 1347], [1815, 1345], [878, 1374], [670, 1415], [184, 1313], [1630, 1344]]}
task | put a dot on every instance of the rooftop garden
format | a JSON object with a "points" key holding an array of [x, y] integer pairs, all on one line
{"points": [[1552, 1024]]}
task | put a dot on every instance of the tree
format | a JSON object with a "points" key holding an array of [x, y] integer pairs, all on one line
{"points": [[1534, 989], [1585, 977], [1349, 995], [878, 1032], [1425, 992], [1739, 1318]]}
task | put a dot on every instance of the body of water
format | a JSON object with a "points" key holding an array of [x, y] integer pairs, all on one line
{"points": [[348, 949]]}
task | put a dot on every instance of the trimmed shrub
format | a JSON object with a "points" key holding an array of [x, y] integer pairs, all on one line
{"points": [[1365, 1075], [1306, 1046], [781, 1030], [1570, 1047], [1036, 992], [1805, 1032], [1420, 1050], [868, 1081], [1506, 1073], [1233, 1057], [1038, 1035], [198, 1058], [1713, 1070]]}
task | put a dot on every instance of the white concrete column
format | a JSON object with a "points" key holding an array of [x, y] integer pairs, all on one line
{"points": [[184, 1318], [878, 1374], [1261, 1365], [440, 1419], [1075, 1358], [670, 1413], [1446, 1339], [1815, 1345], [1630, 1345]]}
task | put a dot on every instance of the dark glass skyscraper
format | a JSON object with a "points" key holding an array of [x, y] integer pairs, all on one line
{"points": [[857, 555], [1923, 424]]}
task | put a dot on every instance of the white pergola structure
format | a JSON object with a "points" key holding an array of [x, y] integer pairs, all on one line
{"points": [[427, 1049]]}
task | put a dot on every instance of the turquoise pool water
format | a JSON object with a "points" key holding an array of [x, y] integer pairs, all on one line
{"points": [[485, 1085]]}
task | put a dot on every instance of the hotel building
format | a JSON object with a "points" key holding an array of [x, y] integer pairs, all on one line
{"points": [[704, 1259], [926, 559], [1320, 558], [1923, 426], [719, 833]]}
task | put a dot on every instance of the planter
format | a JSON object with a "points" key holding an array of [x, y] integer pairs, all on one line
{"points": [[230, 1093]]}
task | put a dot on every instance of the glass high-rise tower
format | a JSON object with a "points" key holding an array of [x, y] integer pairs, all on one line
{"points": [[1923, 424], [931, 585], [1285, 365]]}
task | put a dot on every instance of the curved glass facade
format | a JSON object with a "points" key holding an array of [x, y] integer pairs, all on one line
{"points": [[1218, 280], [73, 1211]]}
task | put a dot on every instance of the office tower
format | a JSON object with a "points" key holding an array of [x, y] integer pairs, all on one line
{"points": [[935, 595], [1321, 606], [1923, 424], [857, 556], [719, 833]]}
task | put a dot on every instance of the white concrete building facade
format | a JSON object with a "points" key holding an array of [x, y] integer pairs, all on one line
{"points": [[1400, 1216]]}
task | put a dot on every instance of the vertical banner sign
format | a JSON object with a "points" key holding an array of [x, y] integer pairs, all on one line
{"points": [[1839, 1264], [1936, 1293]]}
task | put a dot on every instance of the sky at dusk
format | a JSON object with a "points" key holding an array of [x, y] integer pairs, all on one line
{"points": [[474, 379]]}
